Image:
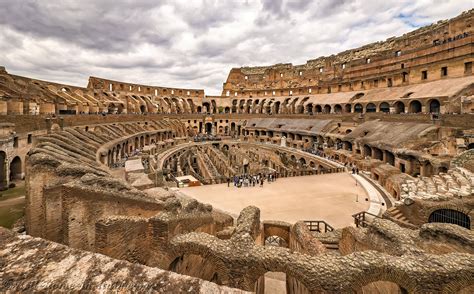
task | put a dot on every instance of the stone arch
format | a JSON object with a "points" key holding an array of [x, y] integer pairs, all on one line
{"points": [[399, 107], [327, 108], [405, 283], [367, 151], [337, 108], [3, 170], [348, 108], [142, 108], [434, 106], [199, 266], [206, 107], [227, 109], [318, 109], [358, 108], [309, 108], [414, 106], [370, 107], [384, 107], [111, 108], [214, 106], [276, 107], [450, 216], [16, 169]]}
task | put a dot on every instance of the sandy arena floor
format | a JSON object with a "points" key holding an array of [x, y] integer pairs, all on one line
{"points": [[330, 197]]}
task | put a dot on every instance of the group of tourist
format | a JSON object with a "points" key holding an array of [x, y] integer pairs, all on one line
{"points": [[246, 180]]}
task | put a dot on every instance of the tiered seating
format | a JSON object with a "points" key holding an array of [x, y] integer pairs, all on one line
{"points": [[458, 182]]}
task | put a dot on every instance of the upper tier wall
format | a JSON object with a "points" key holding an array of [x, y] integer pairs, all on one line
{"points": [[416, 57], [110, 85]]}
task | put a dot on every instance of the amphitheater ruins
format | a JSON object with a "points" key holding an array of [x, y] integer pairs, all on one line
{"points": [[110, 171]]}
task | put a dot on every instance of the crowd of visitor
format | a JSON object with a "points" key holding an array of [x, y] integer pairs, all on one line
{"points": [[247, 180]]}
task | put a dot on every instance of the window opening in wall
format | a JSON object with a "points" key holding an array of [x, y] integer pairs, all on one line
{"points": [[444, 71], [130, 88], [321, 69], [309, 90], [343, 66], [273, 93], [329, 90], [156, 92], [376, 83], [291, 93], [424, 74], [389, 82], [404, 77], [281, 75], [30, 138], [402, 66], [15, 142], [188, 93], [339, 88], [246, 77], [398, 53], [468, 67], [139, 89], [110, 87], [367, 60]]}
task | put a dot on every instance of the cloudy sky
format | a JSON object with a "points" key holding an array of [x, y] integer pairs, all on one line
{"points": [[193, 43]]}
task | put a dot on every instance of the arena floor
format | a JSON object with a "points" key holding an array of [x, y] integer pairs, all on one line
{"points": [[329, 197]]}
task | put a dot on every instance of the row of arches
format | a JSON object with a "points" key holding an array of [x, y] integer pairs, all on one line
{"points": [[304, 107]]}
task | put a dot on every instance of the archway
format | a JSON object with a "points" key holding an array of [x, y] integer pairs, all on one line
{"points": [[3, 174], [318, 109], [384, 107], [383, 287], [470, 146], [450, 216], [358, 108], [277, 107], [414, 107], [399, 107], [367, 151], [15, 169], [309, 108], [370, 107], [209, 128], [434, 106], [327, 108], [337, 108], [227, 110], [206, 107], [142, 108], [348, 108]]}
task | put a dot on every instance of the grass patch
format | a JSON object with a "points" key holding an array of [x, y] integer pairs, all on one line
{"points": [[10, 214], [14, 210], [18, 191]]}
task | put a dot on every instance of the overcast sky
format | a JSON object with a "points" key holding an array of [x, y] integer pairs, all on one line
{"points": [[193, 43]]}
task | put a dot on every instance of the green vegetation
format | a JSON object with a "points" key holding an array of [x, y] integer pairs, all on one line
{"points": [[12, 205]]}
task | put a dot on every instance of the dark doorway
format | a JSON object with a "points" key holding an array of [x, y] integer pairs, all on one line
{"points": [[450, 216]]}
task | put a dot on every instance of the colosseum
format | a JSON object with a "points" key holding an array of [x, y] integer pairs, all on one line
{"points": [[351, 173]]}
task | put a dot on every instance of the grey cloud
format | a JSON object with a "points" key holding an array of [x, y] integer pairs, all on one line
{"points": [[186, 43]]}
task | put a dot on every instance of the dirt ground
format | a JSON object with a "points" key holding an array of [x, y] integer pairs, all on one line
{"points": [[329, 197]]}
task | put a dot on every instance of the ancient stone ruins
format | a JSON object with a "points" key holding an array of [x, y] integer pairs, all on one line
{"points": [[102, 166]]}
